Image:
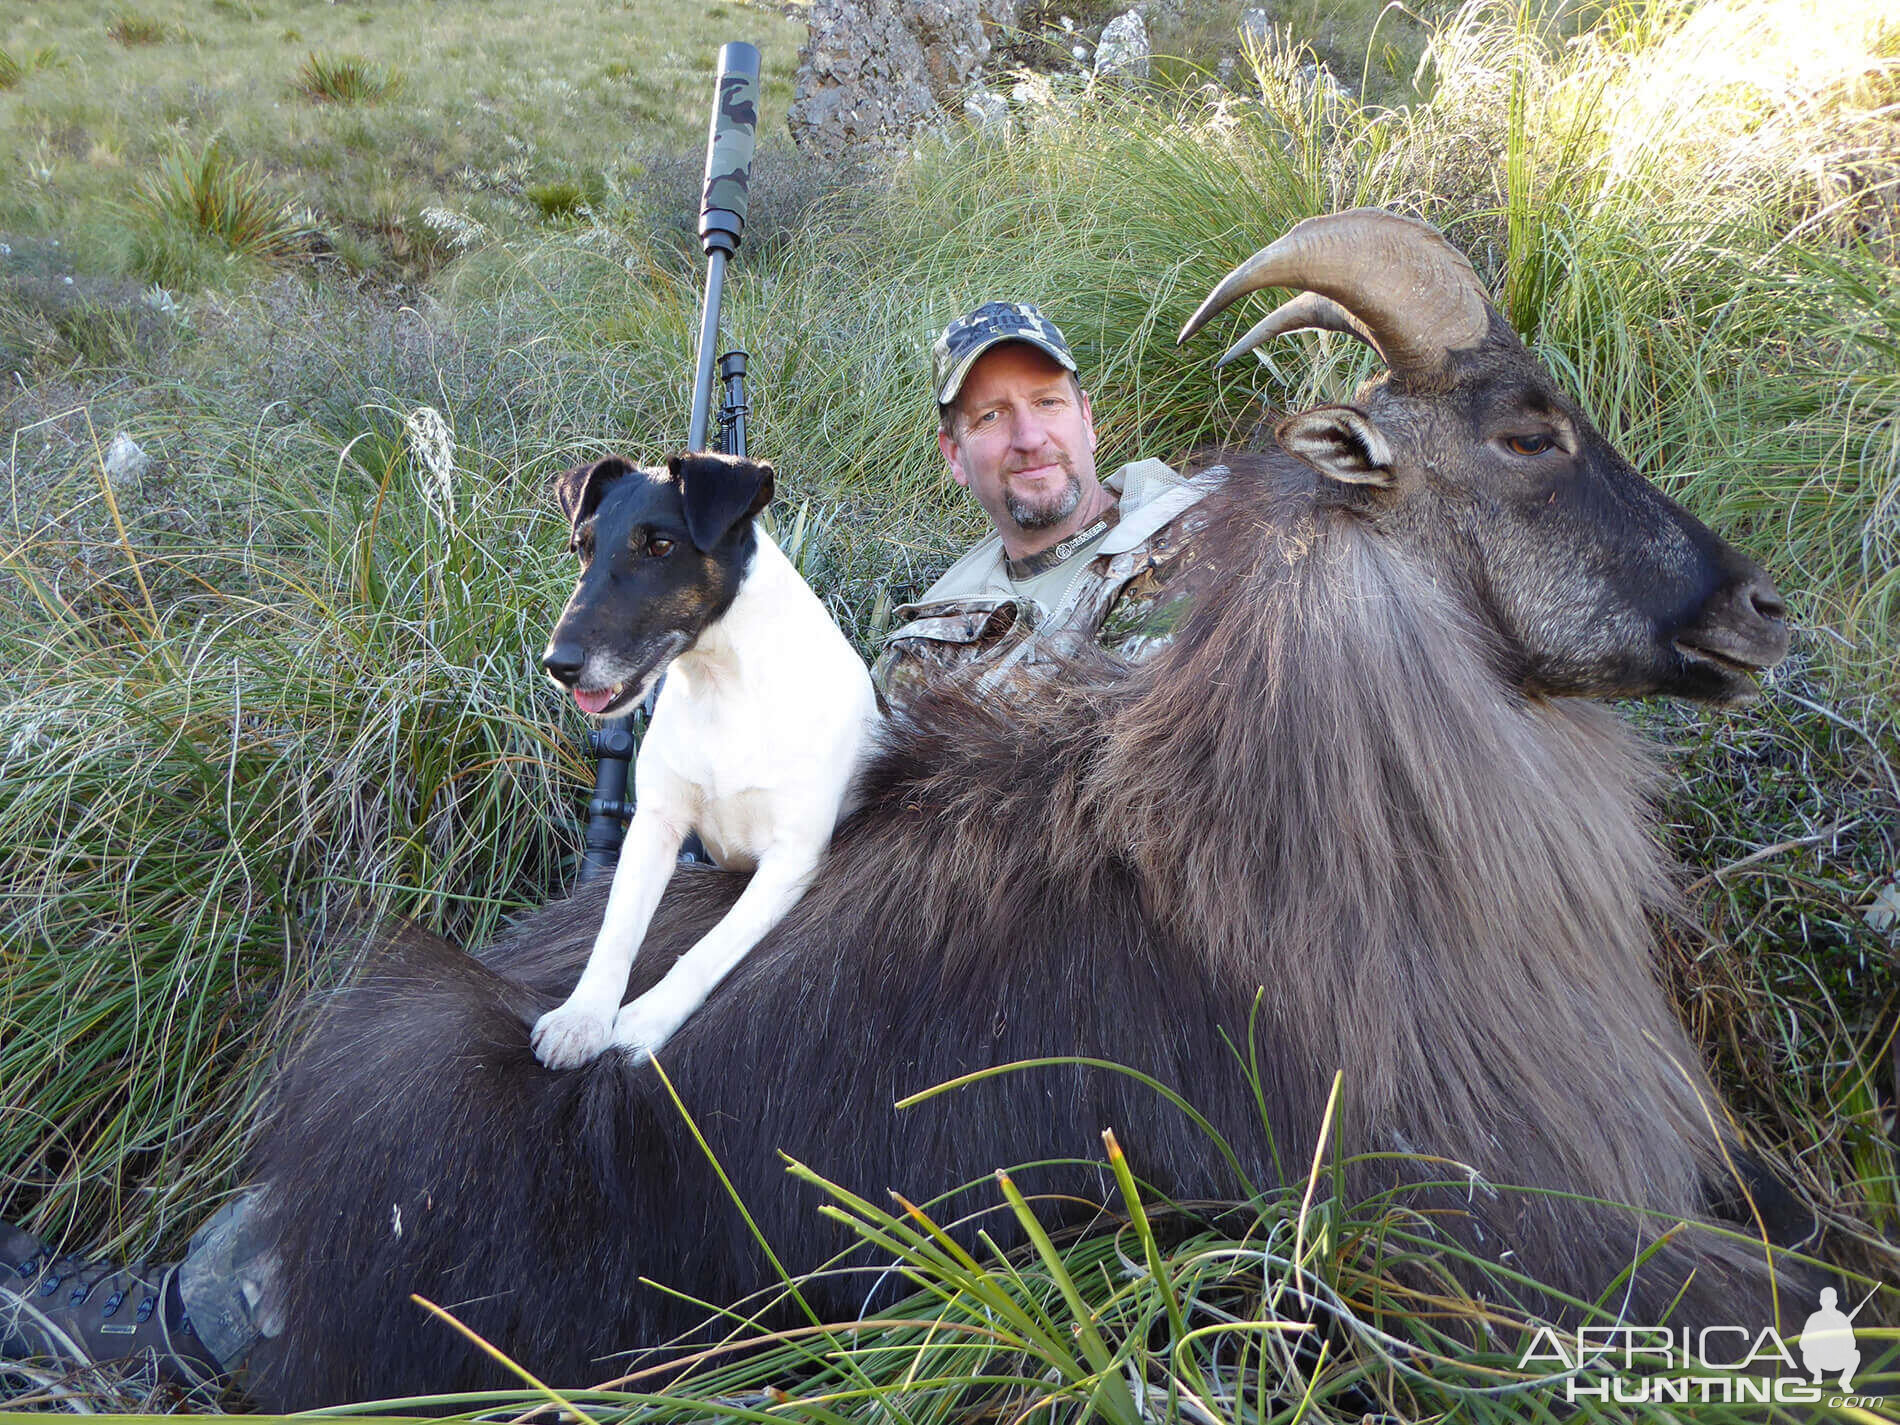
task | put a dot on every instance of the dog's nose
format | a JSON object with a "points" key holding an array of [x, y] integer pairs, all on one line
{"points": [[563, 662]]}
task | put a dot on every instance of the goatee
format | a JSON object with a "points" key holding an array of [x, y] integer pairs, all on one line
{"points": [[1033, 515]]}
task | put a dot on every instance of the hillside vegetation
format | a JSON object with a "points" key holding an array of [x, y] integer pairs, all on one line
{"points": [[283, 676]]}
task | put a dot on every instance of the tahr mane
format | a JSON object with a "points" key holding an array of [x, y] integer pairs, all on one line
{"points": [[1335, 714]]}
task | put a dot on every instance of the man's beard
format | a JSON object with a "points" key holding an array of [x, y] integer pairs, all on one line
{"points": [[1028, 515]]}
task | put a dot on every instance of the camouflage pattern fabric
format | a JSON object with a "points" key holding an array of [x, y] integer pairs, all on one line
{"points": [[968, 337], [1126, 590], [734, 128]]}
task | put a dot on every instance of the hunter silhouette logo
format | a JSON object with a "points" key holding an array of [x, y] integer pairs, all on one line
{"points": [[1631, 1365], [1827, 1341]]}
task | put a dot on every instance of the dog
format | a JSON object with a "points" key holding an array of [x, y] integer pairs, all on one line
{"points": [[754, 738]]}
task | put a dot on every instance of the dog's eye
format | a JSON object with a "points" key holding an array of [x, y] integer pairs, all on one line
{"points": [[657, 546]]}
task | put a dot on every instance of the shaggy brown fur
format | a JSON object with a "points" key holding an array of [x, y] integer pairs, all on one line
{"points": [[1324, 795]]}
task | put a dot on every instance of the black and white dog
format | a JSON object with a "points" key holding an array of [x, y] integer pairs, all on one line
{"points": [[754, 739]]}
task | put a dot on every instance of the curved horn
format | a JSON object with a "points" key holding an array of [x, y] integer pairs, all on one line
{"points": [[1307, 312], [1411, 291]]}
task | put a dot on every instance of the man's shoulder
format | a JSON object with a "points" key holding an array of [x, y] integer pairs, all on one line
{"points": [[1150, 494], [1154, 495], [1143, 480]]}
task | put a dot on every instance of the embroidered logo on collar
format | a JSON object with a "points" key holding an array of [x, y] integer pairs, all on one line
{"points": [[1043, 562]]}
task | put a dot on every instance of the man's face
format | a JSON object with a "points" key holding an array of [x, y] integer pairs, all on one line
{"points": [[1023, 442]]}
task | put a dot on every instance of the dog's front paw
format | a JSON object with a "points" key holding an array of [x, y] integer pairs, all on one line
{"points": [[568, 1037], [644, 1026]]}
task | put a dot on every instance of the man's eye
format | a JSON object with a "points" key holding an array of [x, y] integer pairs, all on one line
{"points": [[657, 546], [1531, 444]]}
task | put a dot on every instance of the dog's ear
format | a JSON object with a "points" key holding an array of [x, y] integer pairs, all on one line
{"points": [[579, 490], [718, 491]]}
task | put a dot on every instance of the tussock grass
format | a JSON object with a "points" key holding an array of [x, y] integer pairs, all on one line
{"points": [[558, 201], [345, 79], [132, 30], [378, 728], [289, 680], [14, 69], [211, 197]]}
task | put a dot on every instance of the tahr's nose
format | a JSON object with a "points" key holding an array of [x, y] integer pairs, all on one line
{"points": [[563, 662], [1765, 599], [1761, 618]]}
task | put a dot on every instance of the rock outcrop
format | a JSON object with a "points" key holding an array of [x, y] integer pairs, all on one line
{"points": [[873, 71]]}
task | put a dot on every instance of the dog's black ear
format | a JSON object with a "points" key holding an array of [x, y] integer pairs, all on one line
{"points": [[579, 490], [718, 491]]}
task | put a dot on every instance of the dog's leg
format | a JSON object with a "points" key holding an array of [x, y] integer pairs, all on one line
{"points": [[650, 1021], [574, 1033]]}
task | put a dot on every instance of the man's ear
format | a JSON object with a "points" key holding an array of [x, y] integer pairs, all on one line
{"points": [[718, 491], [1340, 442], [948, 445], [579, 490]]}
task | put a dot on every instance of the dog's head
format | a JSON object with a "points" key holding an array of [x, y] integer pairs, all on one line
{"points": [[663, 553]]}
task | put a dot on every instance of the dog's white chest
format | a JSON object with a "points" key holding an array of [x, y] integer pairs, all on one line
{"points": [[736, 830]]}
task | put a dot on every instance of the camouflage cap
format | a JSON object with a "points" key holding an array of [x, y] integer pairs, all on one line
{"points": [[968, 337]]}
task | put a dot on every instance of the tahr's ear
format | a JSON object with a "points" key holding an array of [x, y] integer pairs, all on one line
{"points": [[579, 490], [718, 491], [1340, 442]]}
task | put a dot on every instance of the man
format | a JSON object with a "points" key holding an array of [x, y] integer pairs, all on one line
{"points": [[1073, 558]]}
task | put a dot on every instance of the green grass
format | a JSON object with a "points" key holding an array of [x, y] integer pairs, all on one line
{"points": [[287, 680], [485, 109]]}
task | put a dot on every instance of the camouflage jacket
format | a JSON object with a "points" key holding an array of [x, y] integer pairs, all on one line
{"points": [[1123, 583]]}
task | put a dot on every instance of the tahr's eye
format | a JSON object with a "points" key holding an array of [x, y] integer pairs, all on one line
{"points": [[1531, 444], [657, 545]]}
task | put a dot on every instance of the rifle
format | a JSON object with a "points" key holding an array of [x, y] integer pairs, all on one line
{"points": [[722, 212]]}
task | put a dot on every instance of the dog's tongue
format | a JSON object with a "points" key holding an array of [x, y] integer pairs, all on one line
{"points": [[595, 701]]}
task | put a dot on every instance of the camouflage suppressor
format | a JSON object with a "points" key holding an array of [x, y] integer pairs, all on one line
{"points": [[735, 123]]}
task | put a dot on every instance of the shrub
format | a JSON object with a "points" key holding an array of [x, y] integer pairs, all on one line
{"points": [[345, 79]]}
